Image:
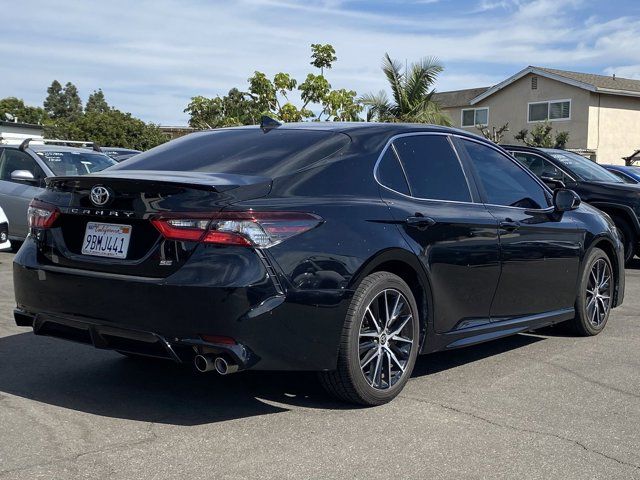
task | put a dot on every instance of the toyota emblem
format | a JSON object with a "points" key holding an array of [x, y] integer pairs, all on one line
{"points": [[100, 196]]}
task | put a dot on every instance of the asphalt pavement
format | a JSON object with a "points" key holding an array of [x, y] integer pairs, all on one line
{"points": [[544, 405]]}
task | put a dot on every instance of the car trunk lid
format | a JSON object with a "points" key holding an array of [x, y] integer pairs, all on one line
{"points": [[132, 199]]}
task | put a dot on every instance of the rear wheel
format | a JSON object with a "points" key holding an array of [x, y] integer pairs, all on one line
{"points": [[627, 236], [379, 342], [595, 294]]}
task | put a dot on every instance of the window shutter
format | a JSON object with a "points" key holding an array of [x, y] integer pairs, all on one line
{"points": [[534, 83], [559, 110]]}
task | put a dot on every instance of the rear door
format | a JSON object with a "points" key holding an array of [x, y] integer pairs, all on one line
{"points": [[540, 253], [454, 236], [16, 195]]}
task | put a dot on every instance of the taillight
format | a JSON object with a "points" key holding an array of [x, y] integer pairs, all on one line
{"points": [[249, 229], [41, 214]]}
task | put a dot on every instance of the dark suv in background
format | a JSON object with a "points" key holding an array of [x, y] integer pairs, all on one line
{"points": [[594, 183]]}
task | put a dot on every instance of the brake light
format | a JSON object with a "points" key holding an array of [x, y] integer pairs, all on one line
{"points": [[249, 229], [41, 214]]}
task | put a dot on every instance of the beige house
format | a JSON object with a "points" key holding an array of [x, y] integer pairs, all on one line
{"points": [[601, 114]]}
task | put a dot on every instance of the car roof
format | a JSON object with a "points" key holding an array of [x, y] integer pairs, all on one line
{"points": [[53, 148], [364, 128]]}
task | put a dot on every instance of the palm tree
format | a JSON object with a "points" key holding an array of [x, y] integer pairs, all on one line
{"points": [[412, 94]]}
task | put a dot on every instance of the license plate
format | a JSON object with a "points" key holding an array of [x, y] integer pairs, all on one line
{"points": [[106, 240]]}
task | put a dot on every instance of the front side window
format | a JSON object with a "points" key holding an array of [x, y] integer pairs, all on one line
{"points": [[554, 110], [475, 116], [502, 180], [432, 168], [12, 160], [541, 167]]}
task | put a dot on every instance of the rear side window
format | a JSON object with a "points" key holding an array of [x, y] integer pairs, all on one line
{"points": [[390, 173], [432, 168], [246, 151]]}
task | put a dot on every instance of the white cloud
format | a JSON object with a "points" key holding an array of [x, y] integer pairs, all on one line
{"points": [[150, 57], [624, 71]]}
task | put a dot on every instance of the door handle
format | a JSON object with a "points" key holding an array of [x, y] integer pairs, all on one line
{"points": [[509, 225], [420, 222]]}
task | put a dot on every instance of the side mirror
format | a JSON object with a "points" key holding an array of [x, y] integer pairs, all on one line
{"points": [[565, 200], [23, 176], [552, 183]]}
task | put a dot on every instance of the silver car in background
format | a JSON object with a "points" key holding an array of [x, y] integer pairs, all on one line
{"points": [[23, 170]]}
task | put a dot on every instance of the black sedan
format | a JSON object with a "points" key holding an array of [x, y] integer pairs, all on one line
{"points": [[346, 249]]}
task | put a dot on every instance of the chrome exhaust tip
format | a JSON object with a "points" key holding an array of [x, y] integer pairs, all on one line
{"points": [[204, 363], [223, 367]]}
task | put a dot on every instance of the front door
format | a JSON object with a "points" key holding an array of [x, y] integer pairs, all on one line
{"points": [[540, 252], [16, 195]]}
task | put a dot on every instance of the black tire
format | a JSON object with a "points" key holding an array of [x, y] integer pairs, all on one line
{"points": [[628, 237], [588, 322], [349, 382]]}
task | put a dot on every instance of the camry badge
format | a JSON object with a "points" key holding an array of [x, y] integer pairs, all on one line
{"points": [[100, 196]]}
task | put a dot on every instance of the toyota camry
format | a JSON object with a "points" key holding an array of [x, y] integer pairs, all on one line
{"points": [[342, 248]]}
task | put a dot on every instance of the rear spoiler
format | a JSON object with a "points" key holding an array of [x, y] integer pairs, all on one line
{"points": [[214, 181]]}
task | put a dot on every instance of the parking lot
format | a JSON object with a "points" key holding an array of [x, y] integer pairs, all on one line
{"points": [[543, 405]]}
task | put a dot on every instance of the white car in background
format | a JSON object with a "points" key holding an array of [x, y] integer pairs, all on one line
{"points": [[5, 243]]}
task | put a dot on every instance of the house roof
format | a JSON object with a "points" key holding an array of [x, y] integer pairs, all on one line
{"points": [[587, 81], [457, 98]]}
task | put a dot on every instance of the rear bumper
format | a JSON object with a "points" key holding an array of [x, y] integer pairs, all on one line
{"points": [[167, 317], [103, 336]]}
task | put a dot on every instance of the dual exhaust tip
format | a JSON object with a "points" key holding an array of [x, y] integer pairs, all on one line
{"points": [[207, 363]]}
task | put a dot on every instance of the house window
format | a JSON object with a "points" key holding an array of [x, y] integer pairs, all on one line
{"points": [[553, 110], [475, 116]]}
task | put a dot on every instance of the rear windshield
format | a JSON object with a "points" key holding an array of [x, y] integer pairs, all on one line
{"points": [[74, 163], [245, 151]]}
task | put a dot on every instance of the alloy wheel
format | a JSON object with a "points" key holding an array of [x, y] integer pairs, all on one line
{"points": [[598, 294], [386, 339]]}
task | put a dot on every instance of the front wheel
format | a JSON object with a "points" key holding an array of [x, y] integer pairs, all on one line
{"points": [[379, 343], [595, 294]]}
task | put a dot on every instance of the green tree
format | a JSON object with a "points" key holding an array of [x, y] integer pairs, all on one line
{"points": [[23, 113], [412, 92], [322, 56], [98, 122], [272, 96], [72, 101], [542, 136], [96, 102], [495, 134], [111, 128], [54, 103], [63, 102]]}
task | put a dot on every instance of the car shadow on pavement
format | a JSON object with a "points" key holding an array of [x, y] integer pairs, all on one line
{"points": [[81, 378]]}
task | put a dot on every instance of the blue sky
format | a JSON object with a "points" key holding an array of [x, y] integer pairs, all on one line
{"points": [[151, 56]]}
